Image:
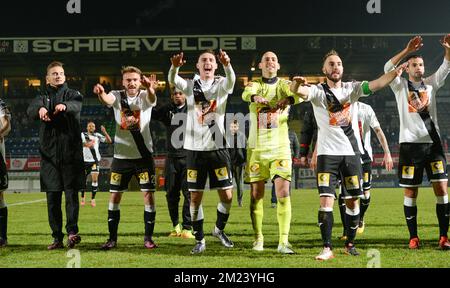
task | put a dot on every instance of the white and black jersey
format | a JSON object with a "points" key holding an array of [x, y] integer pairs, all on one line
{"points": [[416, 100], [331, 117], [88, 152], [4, 112], [367, 120], [206, 103], [130, 120]]}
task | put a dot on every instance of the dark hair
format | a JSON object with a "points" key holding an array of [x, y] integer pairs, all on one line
{"points": [[412, 56], [54, 64], [332, 52], [210, 51]]}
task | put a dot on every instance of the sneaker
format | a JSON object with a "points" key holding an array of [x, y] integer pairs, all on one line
{"points": [[3, 242], [223, 238], [414, 243], [187, 234], [93, 204], [199, 247], [444, 244], [82, 201], [72, 240], [361, 227], [350, 249], [258, 245], [273, 205], [326, 254], [110, 244], [149, 244], [55, 245], [285, 248], [176, 231]]}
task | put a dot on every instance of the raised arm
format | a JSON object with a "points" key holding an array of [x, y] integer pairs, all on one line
{"points": [[299, 87], [387, 159], [413, 45], [106, 99], [174, 79], [105, 133], [445, 41], [386, 78], [230, 79], [150, 83]]}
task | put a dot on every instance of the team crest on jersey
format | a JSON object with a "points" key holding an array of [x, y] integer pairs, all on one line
{"points": [[437, 167], [116, 178], [366, 177], [130, 120], [323, 179], [418, 101], [352, 182], [408, 172], [221, 173], [282, 165], [94, 166], [143, 178], [192, 176]]}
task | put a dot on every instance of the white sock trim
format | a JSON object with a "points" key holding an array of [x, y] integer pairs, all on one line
{"points": [[224, 208], [94, 184], [409, 202], [114, 206], [326, 209], [352, 212], [150, 208], [442, 199], [196, 213]]}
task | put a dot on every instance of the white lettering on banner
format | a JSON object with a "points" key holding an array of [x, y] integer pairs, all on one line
{"points": [[73, 6], [374, 6], [149, 44]]}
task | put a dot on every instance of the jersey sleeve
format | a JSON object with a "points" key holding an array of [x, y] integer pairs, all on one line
{"points": [[372, 118], [250, 89], [437, 80], [286, 92]]}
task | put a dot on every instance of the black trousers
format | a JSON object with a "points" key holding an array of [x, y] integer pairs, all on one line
{"points": [[238, 171], [55, 217], [176, 181]]}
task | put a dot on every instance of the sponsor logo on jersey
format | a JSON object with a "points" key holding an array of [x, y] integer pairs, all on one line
{"points": [[323, 179], [408, 172]]}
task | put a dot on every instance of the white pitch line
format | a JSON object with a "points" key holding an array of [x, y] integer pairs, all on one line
{"points": [[25, 203]]}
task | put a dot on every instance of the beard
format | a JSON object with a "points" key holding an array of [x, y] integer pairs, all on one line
{"points": [[335, 80]]}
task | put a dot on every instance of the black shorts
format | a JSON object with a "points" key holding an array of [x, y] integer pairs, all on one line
{"points": [[414, 157], [123, 169], [216, 164], [91, 167], [3, 175], [331, 169]]}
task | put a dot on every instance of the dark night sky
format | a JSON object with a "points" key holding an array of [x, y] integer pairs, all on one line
{"points": [[102, 17]]}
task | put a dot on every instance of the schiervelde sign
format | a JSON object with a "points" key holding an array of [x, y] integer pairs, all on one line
{"points": [[133, 44]]}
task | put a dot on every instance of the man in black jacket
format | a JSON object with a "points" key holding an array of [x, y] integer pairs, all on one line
{"points": [[62, 166], [238, 154], [173, 116]]}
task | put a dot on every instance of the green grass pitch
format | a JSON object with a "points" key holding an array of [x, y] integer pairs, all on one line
{"points": [[386, 235]]}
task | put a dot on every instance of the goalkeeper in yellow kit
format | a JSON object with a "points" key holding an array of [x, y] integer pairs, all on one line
{"points": [[268, 149]]}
